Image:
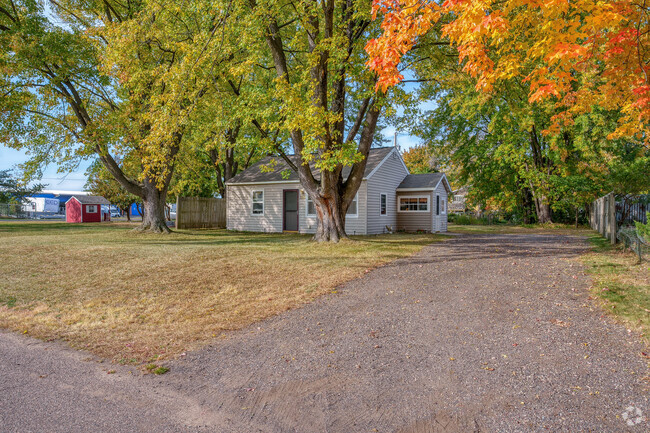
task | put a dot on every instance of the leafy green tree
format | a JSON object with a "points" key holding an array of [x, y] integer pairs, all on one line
{"points": [[511, 150], [322, 97], [644, 229], [114, 80], [13, 190], [101, 182], [420, 159]]}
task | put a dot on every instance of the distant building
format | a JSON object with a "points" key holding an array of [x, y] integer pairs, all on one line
{"points": [[86, 209], [62, 196], [41, 204], [458, 204]]}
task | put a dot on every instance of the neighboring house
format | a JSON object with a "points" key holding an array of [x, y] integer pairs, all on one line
{"points": [[86, 209], [268, 197], [457, 204]]}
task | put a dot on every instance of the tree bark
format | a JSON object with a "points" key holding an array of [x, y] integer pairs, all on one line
{"points": [[543, 210], [155, 202], [331, 194], [331, 221]]}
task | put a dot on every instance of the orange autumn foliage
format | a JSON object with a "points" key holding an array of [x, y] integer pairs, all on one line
{"points": [[577, 54]]}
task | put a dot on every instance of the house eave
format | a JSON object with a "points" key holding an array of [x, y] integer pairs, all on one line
{"points": [[428, 188], [447, 186], [268, 182]]}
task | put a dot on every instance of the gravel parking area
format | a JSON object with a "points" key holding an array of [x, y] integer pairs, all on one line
{"points": [[479, 333]]}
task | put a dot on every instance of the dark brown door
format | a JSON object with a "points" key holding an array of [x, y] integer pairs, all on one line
{"points": [[291, 210]]}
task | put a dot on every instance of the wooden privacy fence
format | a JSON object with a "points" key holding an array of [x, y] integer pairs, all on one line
{"points": [[200, 213], [602, 217]]}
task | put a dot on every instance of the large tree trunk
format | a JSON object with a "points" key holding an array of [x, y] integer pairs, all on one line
{"points": [[331, 218], [155, 202], [528, 207], [543, 210]]}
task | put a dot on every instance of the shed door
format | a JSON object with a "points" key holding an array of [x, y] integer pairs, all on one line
{"points": [[291, 210]]}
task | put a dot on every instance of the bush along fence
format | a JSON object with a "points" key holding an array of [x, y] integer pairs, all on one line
{"points": [[200, 213]]}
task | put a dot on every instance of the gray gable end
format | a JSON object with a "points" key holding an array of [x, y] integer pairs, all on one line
{"points": [[274, 169]]}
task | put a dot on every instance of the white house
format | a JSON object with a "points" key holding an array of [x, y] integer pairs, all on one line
{"points": [[267, 197]]}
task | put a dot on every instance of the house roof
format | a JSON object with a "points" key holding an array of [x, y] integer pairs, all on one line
{"points": [[91, 199], [273, 170], [426, 180]]}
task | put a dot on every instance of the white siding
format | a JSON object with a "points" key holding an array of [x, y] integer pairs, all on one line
{"points": [[440, 221], [353, 225], [384, 181], [416, 221], [239, 213]]}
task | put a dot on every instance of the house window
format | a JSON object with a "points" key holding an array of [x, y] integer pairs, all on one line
{"points": [[414, 204], [382, 204], [311, 208], [258, 202], [442, 207], [437, 205], [352, 209], [91, 208]]}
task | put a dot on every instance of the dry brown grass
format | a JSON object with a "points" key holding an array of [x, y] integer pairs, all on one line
{"points": [[135, 298]]}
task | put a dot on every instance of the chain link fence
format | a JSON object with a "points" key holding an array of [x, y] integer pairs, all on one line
{"points": [[20, 211], [11, 210], [634, 241]]}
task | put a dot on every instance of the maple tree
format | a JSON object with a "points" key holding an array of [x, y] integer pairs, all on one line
{"points": [[577, 54], [118, 81], [13, 190], [321, 100], [101, 182], [496, 142], [420, 159]]}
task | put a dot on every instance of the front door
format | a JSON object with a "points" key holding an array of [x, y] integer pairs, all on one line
{"points": [[290, 210]]}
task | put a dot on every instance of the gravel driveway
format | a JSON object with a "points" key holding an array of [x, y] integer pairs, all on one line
{"points": [[479, 333]]}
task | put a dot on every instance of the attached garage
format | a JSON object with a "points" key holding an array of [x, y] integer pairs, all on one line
{"points": [[86, 209]]}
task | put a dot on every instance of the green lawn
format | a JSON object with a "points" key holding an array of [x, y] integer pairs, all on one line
{"points": [[622, 284], [529, 228], [140, 297]]}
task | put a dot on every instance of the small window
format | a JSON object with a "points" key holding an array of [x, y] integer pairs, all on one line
{"points": [[437, 205], [353, 209], [413, 204], [258, 202], [442, 206], [382, 204], [91, 208], [311, 208]]}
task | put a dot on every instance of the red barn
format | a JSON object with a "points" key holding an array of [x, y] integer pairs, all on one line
{"points": [[85, 209]]}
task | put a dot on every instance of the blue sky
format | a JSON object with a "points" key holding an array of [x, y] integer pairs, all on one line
{"points": [[76, 180]]}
